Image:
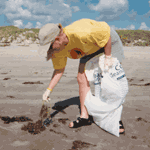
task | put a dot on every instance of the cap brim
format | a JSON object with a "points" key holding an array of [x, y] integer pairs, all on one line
{"points": [[43, 51]]}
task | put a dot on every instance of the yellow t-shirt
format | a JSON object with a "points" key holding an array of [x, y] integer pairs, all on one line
{"points": [[85, 36]]}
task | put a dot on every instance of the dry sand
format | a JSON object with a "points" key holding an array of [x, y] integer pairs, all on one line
{"points": [[25, 76]]}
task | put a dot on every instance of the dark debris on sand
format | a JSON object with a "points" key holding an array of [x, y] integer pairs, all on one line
{"points": [[11, 96], [147, 84], [40, 125], [141, 119], [44, 111], [6, 78], [34, 128], [37, 127], [80, 144], [8, 119], [38, 82]]}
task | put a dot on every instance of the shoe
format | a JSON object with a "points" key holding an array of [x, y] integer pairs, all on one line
{"points": [[81, 122], [121, 127]]}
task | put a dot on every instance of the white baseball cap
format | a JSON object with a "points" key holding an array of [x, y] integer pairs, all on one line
{"points": [[47, 35]]}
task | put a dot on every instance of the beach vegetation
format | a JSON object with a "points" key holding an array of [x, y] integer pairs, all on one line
{"points": [[135, 37], [14, 32]]}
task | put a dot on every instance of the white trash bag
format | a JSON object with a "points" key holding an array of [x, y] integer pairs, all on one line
{"points": [[106, 105]]}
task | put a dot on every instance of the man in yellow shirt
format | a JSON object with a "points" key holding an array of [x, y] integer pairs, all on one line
{"points": [[82, 39]]}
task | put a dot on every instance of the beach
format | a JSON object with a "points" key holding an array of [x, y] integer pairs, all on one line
{"points": [[25, 76]]}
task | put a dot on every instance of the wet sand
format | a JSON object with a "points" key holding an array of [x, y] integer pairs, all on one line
{"points": [[25, 76]]}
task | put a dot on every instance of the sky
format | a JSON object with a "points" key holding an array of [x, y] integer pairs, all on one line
{"points": [[119, 14]]}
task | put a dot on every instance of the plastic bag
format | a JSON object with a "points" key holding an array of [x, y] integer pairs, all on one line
{"points": [[106, 110]]}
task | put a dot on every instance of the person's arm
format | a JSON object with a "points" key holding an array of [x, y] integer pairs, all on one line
{"points": [[57, 74], [107, 48]]}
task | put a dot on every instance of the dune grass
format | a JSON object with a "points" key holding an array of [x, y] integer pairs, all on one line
{"points": [[127, 36], [14, 32]]}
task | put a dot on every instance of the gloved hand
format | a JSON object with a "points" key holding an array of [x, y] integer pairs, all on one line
{"points": [[108, 62], [46, 95]]}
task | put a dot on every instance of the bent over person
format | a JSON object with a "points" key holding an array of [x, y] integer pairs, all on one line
{"points": [[83, 39]]}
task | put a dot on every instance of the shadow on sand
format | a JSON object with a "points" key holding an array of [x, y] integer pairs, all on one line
{"points": [[45, 116]]}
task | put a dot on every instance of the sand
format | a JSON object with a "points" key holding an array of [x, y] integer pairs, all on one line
{"points": [[25, 76]]}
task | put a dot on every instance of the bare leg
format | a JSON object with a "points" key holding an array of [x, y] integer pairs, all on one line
{"points": [[83, 90], [84, 87], [121, 130]]}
